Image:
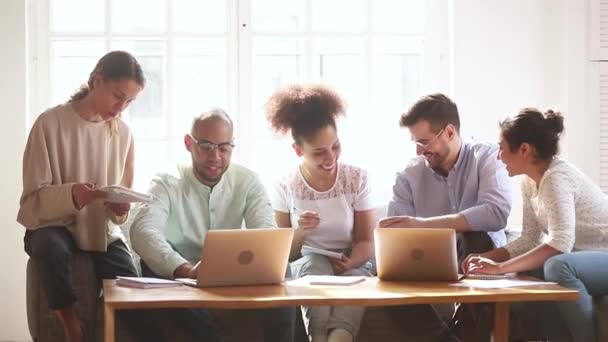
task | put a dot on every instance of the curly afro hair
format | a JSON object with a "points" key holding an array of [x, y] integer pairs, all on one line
{"points": [[302, 109]]}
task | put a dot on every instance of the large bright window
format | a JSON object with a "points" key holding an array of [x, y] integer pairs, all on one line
{"points": [[380, 55]]}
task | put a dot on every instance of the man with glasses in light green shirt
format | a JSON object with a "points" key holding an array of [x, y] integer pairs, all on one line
{"points": [[212, 193]]}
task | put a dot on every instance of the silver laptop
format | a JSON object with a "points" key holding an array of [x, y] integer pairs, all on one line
{"points": [[416, 254], [232, 257]]}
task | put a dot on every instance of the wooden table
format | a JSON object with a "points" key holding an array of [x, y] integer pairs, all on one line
{"points": [[371, 292]]}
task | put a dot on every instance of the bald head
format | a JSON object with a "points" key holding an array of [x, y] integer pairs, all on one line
{"points": [[213, 114]]}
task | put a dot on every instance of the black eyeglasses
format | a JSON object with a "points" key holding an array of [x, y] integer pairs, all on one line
{"points": [[208, 146]]}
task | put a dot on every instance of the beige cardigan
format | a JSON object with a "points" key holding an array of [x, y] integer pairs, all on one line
{"points": [[63, 149]]}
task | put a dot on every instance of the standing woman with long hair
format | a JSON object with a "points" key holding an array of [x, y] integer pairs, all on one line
{"points": [[72, 149]]}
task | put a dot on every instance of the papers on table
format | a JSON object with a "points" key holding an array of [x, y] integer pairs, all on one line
{"points": [[326, 280], [146, 283], [498, 284], [488, 276]]}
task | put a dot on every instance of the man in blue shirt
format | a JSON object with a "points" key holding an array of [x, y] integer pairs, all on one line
{"points": [[452, 183], [211, 193]]}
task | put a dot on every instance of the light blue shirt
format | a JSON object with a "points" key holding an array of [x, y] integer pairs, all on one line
{"points": [[184, 209], [478, 187]]}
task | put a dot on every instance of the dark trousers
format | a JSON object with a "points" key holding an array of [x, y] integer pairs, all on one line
{"points": [[53, 247], [278, 323], [472, 243], [422, 320]]}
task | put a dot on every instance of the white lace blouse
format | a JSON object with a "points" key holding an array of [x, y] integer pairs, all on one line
{"points": [[336, 207]]}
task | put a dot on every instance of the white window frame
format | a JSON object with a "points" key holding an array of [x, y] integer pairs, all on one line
{"points": [[238, 53]]}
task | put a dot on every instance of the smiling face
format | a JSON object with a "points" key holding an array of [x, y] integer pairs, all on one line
{"points": [[111, 97], [515, 161], [209, 166], [321, 151], [433, 146]]}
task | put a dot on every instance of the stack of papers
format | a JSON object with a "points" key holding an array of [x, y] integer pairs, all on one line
{"points": [[498, 284], [146, 283], [120, 194], [327, 280], [313, 250], [489, 276]]}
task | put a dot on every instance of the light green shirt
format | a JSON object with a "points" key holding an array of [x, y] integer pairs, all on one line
{"points": [[184, 209]]}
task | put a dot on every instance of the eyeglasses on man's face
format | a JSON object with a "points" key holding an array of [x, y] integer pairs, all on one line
{"points": [[208, 146], [424, 144]]}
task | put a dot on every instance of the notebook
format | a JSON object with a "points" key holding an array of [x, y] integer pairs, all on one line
{"points": [[146, 283], [233, 257], [312, 250], [120, 194]]}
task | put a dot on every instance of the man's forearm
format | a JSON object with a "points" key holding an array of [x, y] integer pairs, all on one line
{"points": [[455, 221]]}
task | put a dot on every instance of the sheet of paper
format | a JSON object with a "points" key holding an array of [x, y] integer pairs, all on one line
{"points": [[326, 280], [498, 284], [119, 194]]}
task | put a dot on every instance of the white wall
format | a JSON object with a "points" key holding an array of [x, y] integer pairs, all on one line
{"points": [[13, 324], [506, 54], [511, 54]]}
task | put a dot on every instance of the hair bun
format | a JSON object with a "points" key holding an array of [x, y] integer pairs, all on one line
{"points": [[554, 121]]}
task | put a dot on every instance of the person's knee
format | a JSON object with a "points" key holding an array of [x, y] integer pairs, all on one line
{"points": [[50, 245], [558, 269], [315, 264]]}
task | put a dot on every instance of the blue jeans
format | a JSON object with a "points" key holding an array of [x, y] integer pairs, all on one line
{"points": [[586, 272], [583, 271]]}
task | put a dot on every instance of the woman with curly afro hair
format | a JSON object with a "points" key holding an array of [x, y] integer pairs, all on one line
{"points": [[328, 203]]}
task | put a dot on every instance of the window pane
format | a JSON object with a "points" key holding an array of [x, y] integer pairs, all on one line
{"points": [[72, 63], [199, 80], [341, 63], [339, 15], [276, 62], [200, 16], [263, 154], [146, 112], [278, 16], [90, 17], [398, 66], [151, 158], [399, 16], [138, 15]]}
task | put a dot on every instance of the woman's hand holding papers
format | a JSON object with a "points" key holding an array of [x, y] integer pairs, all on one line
{"points": [[341, 265], [119, 209], [85, 193]]}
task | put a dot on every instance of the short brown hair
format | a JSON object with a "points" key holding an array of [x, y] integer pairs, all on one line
{"points": [[437, 109], [541, 130], [302, 109]]}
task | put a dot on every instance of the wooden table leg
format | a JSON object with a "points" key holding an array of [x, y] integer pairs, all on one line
{"points": [[109, 321], [501, 322]]}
